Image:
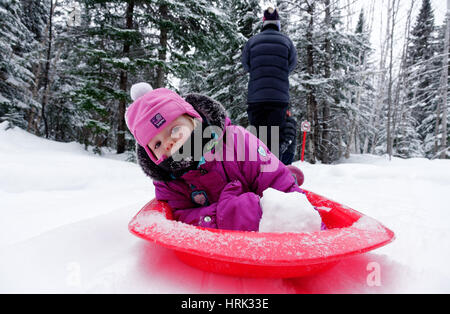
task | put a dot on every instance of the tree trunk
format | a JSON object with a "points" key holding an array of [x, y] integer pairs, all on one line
{"points": [[436, 152], [444, 147], [391, 65], [402, 82], [162, 55], [47, 69], [32, 124], [350, 136], [326, 106], [374, 117], [311, 102], [123, 84]]}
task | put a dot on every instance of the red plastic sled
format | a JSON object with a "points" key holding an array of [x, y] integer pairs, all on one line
{"points": [[270, 255]]}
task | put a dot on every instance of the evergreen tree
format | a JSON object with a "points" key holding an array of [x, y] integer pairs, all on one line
{"points": [[97, 64], [433, 139], [222, 76], [70, 81], [20, 31], [185, 32], [423, 76], [422, 33], [407, 142], [329, 84], [123, 42], [363, 93]]}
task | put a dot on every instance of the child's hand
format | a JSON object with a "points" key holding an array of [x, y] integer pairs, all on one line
{"points": [[237, 209], [233, 188]]}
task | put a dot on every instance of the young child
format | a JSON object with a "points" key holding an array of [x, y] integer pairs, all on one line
{"points": [[208, 191]]}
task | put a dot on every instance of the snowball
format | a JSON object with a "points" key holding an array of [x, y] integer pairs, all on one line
{"points": [[287, 212], [140, 89]]}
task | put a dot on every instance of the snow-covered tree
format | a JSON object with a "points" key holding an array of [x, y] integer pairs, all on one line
{"points": [[363, 93], [21, 27], [424, 76], [406, 140], [440, 148], [222, 76], [98, 63], [330, 82]]}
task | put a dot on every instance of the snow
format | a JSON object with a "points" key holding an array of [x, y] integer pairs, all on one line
{"points": [[368, 224], [3, 99], [13, 81], [64, 214], [287, 212]]}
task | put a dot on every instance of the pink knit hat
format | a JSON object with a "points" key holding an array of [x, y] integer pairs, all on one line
{"points": [[151, 111]]}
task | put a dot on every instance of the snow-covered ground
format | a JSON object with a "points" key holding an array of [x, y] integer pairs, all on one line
{"points": [[64, 215]]}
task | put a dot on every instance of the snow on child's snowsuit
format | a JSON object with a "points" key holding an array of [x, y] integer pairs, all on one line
{"points": [[224, 189]]}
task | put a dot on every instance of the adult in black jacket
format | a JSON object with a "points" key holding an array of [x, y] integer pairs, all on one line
{"points": [[269, 57]]}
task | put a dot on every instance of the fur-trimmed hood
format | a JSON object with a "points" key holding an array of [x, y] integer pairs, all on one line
{"points": [[212, 112]]}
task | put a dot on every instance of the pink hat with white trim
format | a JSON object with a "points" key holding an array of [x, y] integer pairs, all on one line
{"points": [[151, 111]]}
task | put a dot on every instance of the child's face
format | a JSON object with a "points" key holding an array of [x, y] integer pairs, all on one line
{"points": [[172, 137]]}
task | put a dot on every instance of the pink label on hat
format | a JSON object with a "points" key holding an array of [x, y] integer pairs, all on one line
{"points": [[158, 120]]}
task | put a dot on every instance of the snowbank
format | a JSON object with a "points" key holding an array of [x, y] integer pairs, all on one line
{"points": [[45, 185]]}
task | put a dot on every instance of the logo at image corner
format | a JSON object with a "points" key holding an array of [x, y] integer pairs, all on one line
{"points": [[158, 120]]}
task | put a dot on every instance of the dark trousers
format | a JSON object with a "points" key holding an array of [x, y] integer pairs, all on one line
{"points": [[267, 114], [287, 158]]}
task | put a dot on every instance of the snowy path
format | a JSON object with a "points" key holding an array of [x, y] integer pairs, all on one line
{"points": [[64, 215]]}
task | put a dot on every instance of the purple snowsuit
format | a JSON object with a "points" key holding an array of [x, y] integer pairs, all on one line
{"points": [[223, 193]]}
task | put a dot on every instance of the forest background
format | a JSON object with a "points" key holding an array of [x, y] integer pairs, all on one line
{"points": [[372, 76]]}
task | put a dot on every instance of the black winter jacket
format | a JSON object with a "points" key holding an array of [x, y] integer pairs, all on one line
{"points": [[270, 57]]}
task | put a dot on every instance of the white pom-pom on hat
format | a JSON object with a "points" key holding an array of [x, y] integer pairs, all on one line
{"points": [[140, 89]]}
